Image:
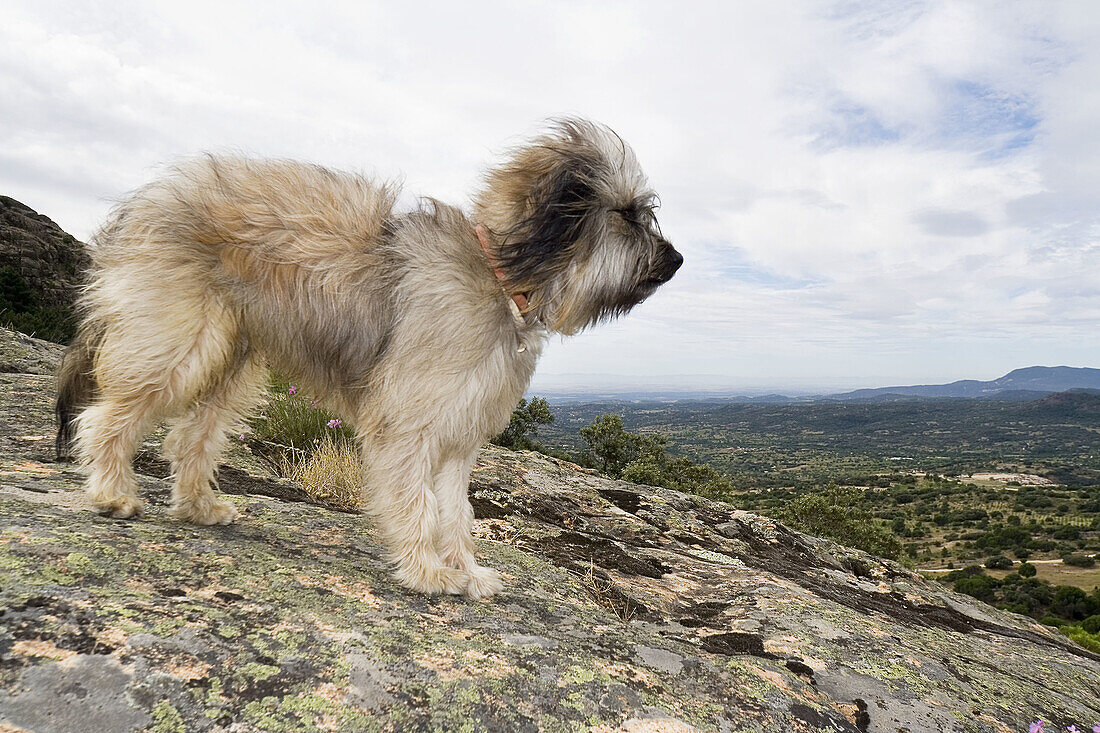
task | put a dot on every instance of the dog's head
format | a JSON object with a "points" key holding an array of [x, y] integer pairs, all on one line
{"points": [[573, 226]]}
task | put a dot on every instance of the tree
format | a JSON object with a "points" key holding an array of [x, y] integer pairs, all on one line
{"points": [[1071, 602], [999, 562], [981, 587], [654, 466], [1027, 570], [609, 444], [523, 427]]}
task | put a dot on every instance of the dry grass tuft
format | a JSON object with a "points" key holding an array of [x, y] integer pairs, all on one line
{"points": [[331, 472], [602, 589]]}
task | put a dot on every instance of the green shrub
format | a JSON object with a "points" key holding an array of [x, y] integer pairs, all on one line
{"points": [[1079, 560], [643, 459], [1082, 637], [838, 514], [1070, 602], [966, 572], [981, 587], [1092, 624], [48, 323], [1027, 570], [1066, 533], [15, 294], [1004, 537], [20, 311], [654, 466], [998, 562]]}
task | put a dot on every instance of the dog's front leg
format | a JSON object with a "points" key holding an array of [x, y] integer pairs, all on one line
{"points": [[456, 518], [399, 497]]}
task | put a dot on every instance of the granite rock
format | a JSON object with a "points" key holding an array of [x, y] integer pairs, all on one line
{"points": [[626, 608]]}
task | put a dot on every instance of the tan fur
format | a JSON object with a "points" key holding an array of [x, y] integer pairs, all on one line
{"points": [[206, 276]]}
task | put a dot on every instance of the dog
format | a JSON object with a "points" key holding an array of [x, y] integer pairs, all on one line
{"points": [[422, 327]]}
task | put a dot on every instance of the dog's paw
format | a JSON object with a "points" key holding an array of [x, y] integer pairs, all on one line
{"points": [[205, 512], [433, 580], [119, 507], [484, 583]]}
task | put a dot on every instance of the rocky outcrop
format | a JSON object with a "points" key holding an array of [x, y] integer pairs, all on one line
{"points": [[41, 269], [49, 260], [627, 608]]}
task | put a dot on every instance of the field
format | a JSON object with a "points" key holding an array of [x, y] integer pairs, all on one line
{"points": [[1056, 572], [957, 481]]}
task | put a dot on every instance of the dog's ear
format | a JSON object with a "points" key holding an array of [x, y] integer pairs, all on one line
{"points": [[557, 209]]}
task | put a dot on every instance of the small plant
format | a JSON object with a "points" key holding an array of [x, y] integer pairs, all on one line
{"points": [[330, 472], [308, 444], [292, 421]]}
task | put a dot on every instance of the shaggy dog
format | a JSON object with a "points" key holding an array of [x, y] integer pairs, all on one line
{"points": [[422, 328]]}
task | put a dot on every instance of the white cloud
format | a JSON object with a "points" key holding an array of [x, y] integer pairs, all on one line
{"points": [[861, 191]]}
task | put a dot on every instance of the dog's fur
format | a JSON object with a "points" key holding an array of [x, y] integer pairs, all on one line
{"points": [[202, 279]]}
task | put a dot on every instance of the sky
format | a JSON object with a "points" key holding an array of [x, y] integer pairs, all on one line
{"points": [[865, 193]]}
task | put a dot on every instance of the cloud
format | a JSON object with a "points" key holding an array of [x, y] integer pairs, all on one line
{"points": [[950, 223], [858, 189]]}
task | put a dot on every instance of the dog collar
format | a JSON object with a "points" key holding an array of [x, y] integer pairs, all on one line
{"points": [[520, 299]]}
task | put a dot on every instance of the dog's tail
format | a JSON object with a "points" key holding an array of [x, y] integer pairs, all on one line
{"points": [[76, 385]]}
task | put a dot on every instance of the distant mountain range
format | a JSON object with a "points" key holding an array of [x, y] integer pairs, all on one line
{"points": [[1018, 385]]}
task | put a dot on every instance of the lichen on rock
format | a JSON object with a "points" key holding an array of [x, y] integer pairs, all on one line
{"points": [[626, 608]]}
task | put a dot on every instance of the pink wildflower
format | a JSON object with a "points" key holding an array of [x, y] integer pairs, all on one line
{"points": [[313, 404], [292, 390], [337, 422], [1036, 727]]}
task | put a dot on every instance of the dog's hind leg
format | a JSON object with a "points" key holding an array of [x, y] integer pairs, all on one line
{"points": [[397, 470], [197, 440], [454, 540], [107, 435], [160, 351], [131, 367]]}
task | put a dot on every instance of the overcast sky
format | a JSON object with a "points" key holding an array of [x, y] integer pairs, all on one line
{"points": [[864, 193]]}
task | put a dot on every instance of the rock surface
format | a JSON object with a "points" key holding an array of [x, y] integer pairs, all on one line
{"points": [[22, 354], [49, 260], [627, 608]]}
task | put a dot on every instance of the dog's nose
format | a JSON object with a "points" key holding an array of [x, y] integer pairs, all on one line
{"points": [[668, 267], [674, 261]]}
